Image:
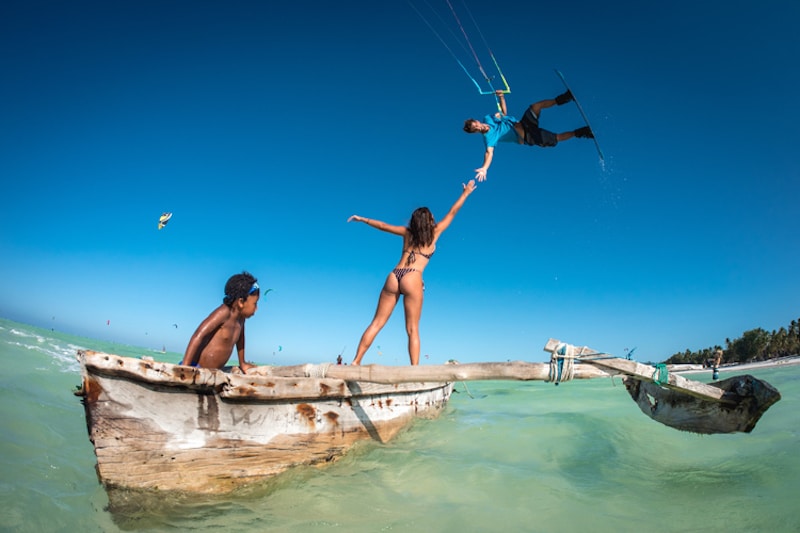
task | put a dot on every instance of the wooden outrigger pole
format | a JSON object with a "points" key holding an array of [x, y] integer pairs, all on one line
{"points": [[732, 405]]}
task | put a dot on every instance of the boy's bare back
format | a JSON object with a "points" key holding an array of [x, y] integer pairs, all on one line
{"points": [[212, 343], [217, 336]]}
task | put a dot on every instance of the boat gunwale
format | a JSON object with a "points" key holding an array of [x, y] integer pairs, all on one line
{"points": [[234, 387]]}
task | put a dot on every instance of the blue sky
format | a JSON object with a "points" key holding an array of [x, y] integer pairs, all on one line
{"points": [[263, 126]]}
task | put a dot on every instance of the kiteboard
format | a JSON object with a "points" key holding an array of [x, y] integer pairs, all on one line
{"points": [[580, 110]]}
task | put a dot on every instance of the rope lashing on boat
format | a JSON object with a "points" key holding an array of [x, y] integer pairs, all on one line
{"points": [[562, 363], [557, 364], [316, 371], [661, 374]]}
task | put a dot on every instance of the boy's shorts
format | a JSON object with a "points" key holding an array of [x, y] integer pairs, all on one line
{"points": [[534, 135]]}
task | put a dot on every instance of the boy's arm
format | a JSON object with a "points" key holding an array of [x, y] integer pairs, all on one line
{"points": [[448, 218], [480, 173], [243, 365], [203, 332], [377, 224]]}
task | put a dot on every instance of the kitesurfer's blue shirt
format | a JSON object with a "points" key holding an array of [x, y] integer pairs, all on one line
{"points": [[500, 130]]}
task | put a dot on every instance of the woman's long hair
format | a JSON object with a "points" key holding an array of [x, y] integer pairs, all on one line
{"points": [[420, 228]]}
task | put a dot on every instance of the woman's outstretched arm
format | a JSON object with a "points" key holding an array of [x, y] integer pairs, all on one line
{"points": [[448, 218], [377, 224]]}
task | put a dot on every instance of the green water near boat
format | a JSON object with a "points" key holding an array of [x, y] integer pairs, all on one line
{"points": [[507, 456]]}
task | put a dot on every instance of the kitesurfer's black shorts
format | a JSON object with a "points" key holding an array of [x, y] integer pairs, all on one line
{"points": [[534, 135]]}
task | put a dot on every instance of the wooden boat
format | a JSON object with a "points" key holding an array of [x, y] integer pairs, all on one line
{"points": [[161, 426]]}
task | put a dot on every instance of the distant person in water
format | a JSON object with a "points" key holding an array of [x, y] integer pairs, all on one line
{"points": [[717, 362], [419, 243], [501, 127], [212, 343]]}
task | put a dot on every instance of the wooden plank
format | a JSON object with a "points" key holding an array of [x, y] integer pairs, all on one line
{"points": [[515, 370], [153, 372], [674, 381], [258, 388]]}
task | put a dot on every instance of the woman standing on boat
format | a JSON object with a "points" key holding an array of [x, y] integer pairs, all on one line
{"points": [[419, 243]]}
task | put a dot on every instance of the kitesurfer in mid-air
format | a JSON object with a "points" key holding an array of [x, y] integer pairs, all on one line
{"points": [[502, 127]]}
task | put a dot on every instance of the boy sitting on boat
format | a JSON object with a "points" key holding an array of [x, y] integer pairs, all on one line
{"points": [[212, 343]]}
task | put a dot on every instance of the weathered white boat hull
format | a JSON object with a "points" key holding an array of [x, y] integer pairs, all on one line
{"points": [[167, 427]]}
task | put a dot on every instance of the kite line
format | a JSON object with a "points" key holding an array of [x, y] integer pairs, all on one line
{"points": [[466, 46]]}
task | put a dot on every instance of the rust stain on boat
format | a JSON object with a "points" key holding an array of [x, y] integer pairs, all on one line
{"points": [[332, 417], [91, 389], [308, 412], [179, 372], [246, 392]]}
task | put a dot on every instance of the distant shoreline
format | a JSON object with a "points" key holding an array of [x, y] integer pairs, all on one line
{"points": [[770, 363]]}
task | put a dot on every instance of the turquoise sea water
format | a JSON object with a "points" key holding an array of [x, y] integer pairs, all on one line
{"points": [[511, 457]]}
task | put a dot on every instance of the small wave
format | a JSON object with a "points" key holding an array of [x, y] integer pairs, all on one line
{"points": [[62, 356], [26, 334]]}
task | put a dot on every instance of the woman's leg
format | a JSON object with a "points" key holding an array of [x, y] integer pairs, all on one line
{"points": [[386, 303], [413, 294]]}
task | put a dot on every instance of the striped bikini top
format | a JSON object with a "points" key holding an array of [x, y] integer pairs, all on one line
{"points": [[413, 257]]}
